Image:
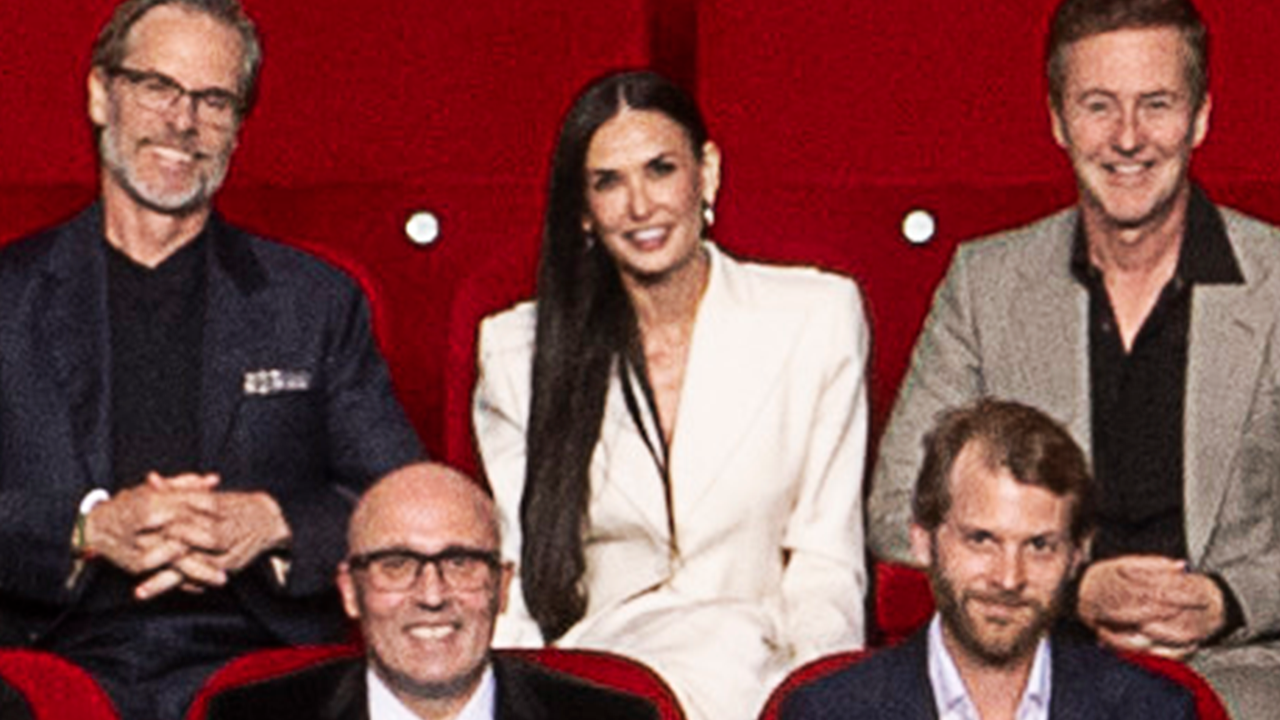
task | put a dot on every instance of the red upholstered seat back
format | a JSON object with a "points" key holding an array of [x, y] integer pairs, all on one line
{"points": [[264, 665], [858, 230], [54, 688], [902, 602], [607, 669], [368, 113], [362, 225], [806, 674], [836, 119], [1208, 705], [610, 670], [506, 277]]}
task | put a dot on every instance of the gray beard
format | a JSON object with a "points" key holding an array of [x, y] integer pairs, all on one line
{"points": [[191, 200]]}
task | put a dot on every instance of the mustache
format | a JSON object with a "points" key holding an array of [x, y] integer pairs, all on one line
{"points": [[1006, 598]]}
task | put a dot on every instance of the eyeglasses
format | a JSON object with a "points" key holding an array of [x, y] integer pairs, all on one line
{"points": [[398, 569], [159, 92]]}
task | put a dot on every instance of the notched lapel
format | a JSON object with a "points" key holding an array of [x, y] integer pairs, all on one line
{"points": [[1048, 331], [628, 469], [350, 700], [736, 360], [1228, 329], [238, 325], [75, 336]]}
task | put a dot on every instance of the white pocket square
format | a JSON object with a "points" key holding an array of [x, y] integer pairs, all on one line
{"points": [[270, 382]]}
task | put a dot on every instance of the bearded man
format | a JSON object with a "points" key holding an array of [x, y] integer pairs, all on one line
{"points": [[1003, 513]]}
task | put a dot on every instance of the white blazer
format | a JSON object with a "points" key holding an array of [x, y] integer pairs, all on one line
{"points": [[766, 469]]}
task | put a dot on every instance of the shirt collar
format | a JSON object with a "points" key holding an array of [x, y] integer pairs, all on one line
{"points": [[952, 697], [384, 705], [187, 260], [1206, 257]]}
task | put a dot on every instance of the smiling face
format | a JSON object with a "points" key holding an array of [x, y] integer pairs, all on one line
{"points": [[645, 188], [999, 562], [429, 643], [167, 160], [1129, 125]]}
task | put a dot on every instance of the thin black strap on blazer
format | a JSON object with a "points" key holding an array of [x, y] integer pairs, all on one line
{"points": [[659, 450]]}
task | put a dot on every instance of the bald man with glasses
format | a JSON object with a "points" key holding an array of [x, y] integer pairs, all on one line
{"points": [[425, 582]]}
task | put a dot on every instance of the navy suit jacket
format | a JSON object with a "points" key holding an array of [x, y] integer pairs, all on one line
{"points": [[1089, 683], [336, 690], [314, 450]]}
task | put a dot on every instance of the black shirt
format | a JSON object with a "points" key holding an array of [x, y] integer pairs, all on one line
{"points": [[157, 329], [157, 332], [1138, 398]]}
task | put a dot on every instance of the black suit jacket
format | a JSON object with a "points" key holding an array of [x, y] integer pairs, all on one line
{"points": [[1089, 683], [314, 450], [336, 690]]}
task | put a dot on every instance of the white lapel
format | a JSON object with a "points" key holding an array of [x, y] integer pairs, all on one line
{"points": [[738, 353], [622, 467]]}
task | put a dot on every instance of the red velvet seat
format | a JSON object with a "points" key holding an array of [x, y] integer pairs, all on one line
{"points": [[505, 278], [615, 671], [54, 688], [903, 602], [1208, 705], [263, 665], [605, 669], [808, 673], [368, 112]]}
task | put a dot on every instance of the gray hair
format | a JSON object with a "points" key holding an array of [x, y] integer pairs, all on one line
{"points": [[112, 44]]}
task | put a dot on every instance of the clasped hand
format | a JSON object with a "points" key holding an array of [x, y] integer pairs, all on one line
{"points": [[181, 532], [1151, 604]]}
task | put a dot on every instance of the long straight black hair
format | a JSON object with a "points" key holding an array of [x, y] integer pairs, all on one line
{"points": [[585, 323]]}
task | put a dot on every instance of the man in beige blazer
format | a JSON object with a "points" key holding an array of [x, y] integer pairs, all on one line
{"points": [[1147, 320]]}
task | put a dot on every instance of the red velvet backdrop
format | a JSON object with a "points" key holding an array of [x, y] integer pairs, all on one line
{"points": [[836, 117], [369, 112]]}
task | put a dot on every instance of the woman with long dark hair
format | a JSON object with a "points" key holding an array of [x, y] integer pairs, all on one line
{"points": [[675, 438]]}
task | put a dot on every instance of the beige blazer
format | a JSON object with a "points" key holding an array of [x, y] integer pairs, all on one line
{"points": [[1010, 321], [766, 467]]}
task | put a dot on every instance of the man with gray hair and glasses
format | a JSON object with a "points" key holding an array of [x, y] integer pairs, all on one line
{"points": [[186, 410]]}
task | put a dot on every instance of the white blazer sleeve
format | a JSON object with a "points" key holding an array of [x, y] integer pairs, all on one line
{"points": [[500, 413], [825, 579]]}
